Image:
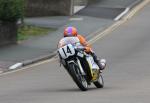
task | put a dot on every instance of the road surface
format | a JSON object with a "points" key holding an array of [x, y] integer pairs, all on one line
{"points": [[127, 78]]}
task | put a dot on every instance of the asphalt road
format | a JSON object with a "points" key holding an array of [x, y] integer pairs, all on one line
{"points": [[127, 78]]}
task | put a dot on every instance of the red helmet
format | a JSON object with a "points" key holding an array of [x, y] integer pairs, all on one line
{"points": [[70, 31]]}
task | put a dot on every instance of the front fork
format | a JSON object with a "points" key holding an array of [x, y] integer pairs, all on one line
{"points": [[80, 66]]}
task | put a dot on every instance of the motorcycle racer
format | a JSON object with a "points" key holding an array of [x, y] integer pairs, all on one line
{"points": [[72, 32]]}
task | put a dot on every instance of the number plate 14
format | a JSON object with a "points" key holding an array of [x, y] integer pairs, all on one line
{"points": [[66, 51]]}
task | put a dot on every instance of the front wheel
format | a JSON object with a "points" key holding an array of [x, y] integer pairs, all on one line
{"points": [[78, 78], [100, 82]]}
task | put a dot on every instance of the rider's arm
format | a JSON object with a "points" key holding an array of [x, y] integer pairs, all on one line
{"points": [[84, 43]]}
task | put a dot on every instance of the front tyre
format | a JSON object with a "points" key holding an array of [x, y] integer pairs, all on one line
{"points": [[100, 82], [78, 78]]}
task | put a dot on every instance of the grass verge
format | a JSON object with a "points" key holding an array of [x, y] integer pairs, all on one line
{"points": [[27, 32]]}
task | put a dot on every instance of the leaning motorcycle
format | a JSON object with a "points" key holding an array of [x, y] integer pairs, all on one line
{"points": [[80, 66]]}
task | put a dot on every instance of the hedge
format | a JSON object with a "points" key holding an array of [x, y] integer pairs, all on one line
{"points": [[11, 10]]}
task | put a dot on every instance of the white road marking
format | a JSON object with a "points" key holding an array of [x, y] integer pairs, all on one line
{"points": [[30, 66], [122, 14], [17, 65]]}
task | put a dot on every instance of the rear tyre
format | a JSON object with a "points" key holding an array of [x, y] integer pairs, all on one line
{"points": [[78, 78], [100, 82]]}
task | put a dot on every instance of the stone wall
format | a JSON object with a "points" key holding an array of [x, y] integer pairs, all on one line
{"points": [[8, 33], [93, 1], [84, 2], [48, 7], [80, 2]]}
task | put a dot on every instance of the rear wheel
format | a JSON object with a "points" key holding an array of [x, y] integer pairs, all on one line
{"points": [[77, 76], [100, 82]]}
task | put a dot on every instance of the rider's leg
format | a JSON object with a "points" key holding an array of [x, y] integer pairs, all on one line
{"points": [[101, 63]]}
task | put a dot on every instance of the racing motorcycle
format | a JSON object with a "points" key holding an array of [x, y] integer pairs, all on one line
{"points": [[80, 66]]}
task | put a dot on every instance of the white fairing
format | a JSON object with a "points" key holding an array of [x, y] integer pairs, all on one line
{"points": [[66, 51], [92, 63]]}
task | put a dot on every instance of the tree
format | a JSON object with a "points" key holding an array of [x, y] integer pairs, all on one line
{"points": [[11, 10]]}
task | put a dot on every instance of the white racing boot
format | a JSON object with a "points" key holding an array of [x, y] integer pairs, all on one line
{"points": [[103, 64]]}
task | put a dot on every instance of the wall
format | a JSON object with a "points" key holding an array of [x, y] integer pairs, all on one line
{"points": [[92, 1], [8, 33], [48, 7], [80, 2]]}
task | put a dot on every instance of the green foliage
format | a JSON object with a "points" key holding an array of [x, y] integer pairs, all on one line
{"points": [[26, 32], [11, 10]]}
